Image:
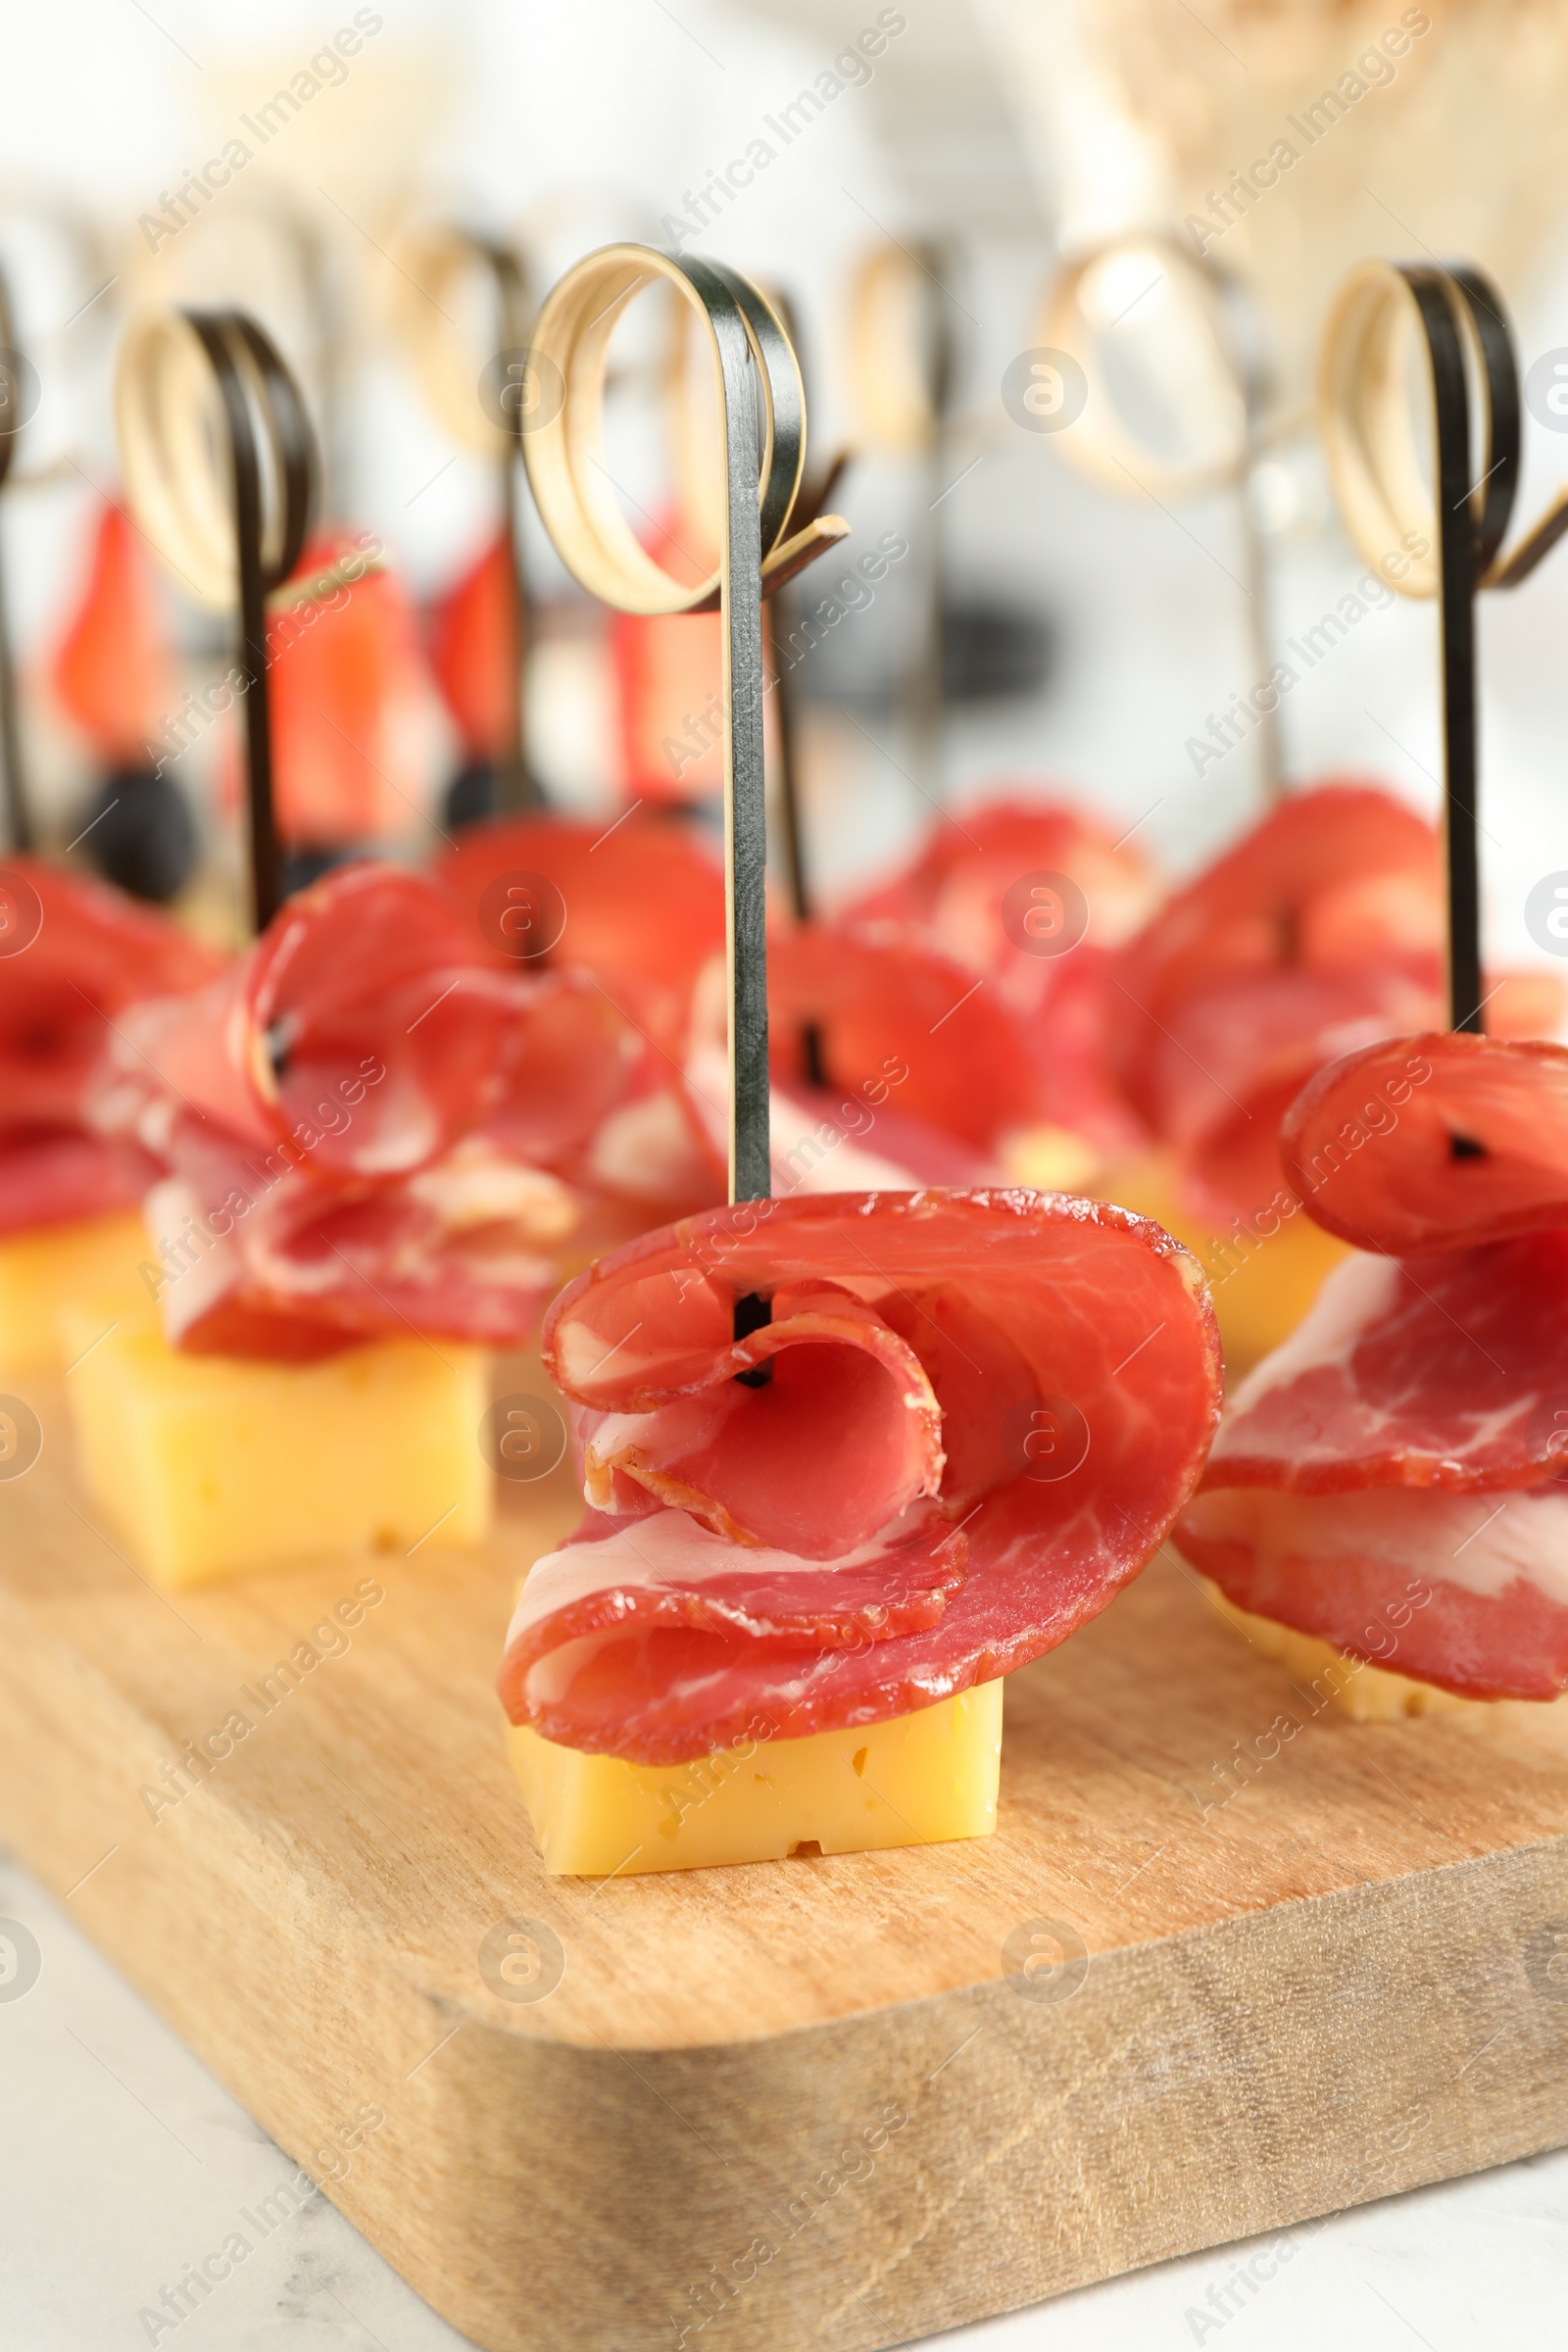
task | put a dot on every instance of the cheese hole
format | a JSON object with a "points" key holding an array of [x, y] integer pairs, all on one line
{"points": [[805, 1848], [858, 1758]]}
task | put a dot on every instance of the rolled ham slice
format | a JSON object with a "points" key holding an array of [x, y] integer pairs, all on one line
{"points": [[1434, 1143], [980, 1412]]}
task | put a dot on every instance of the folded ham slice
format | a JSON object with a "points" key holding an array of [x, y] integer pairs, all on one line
{"points": [[113, 671], [643, 901], [1318, 932], [370, 1128], [75, 956], [472, 646], [1481, 1148], [962, 896], [354, 710], [1403, 1449], [956, 889], [924, 1071], [979, 1415]]}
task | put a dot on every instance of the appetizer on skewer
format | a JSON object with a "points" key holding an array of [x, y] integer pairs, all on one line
{"points": [[849, 1461], [366, 1127], [1353, 1477], [75, 957], [1386, 1488], [811, 1553]]}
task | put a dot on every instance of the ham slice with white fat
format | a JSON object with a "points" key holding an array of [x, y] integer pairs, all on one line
{"points": [[370, 1128], [978, 1415]]}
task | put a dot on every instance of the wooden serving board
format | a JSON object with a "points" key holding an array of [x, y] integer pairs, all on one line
{"points": [[802, 2103]]}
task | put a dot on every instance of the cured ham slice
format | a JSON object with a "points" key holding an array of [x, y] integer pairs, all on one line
{"points": [[86, 952], [877, 1003], [351, 709], [1403, 1449], [641, 904], [260, 1258], [860, 1135], [366, 982], [973, 894], [370, 1128], [978, 1414], [472, 635], [1319, 932], [56, 1175], [669, 670], [113, 671], [1482, 1152], [957, 890], [77, 955]]}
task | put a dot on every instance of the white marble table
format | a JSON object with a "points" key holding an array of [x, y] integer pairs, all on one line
{"points": [[123, 2161]]}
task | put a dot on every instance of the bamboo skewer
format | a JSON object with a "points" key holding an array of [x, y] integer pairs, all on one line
{"points": [[1385, 501], [490, 409], [228, 512], [763, 423]]}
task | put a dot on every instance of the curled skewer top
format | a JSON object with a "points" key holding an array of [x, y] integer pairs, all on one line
{"points": [[901, 355], [211, 425], [564, 428], [1371, 426], [1434, 530], [1172, 380], [464, 306], [220, 470], [762, 447]]}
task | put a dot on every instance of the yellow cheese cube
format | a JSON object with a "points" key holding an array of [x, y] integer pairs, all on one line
{"points": [[208, 1466], [49, 1269], [916, 1780], [1366, 1693], [1052, 1159], [1262, 1283]]}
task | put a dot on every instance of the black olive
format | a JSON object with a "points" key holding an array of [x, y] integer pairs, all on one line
{"points": [[141, 834], [308, 861], [472, 795]]}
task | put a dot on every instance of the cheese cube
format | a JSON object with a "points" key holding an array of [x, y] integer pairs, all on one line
{"points": [[208, 1466], [916, 1780], [1366, 1693], [1262, 1283], [51, 1268]]}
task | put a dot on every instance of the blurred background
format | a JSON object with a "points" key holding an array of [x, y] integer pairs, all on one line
{"points": [[952, 196]]}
